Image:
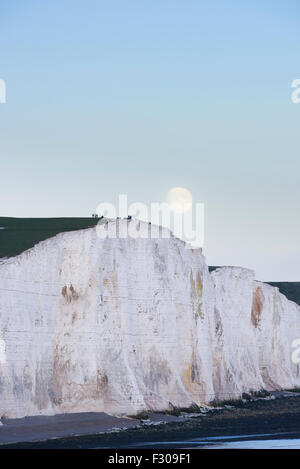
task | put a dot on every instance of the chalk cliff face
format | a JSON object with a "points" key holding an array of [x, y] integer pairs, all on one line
{"points": [[125, 325]]}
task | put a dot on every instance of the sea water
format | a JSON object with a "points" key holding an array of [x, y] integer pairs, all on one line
{"points": [[262, 441]]}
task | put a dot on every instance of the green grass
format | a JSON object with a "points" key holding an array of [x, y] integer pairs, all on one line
{"points": [[21, 234]]}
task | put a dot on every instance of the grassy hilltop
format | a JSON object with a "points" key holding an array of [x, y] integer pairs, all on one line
{"points": [[20, 234]]}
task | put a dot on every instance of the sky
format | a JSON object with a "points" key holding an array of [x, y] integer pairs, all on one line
{"points": [[135, 97]]}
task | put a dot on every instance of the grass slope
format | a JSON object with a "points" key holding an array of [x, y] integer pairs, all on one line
{"points": [[23, 233]]}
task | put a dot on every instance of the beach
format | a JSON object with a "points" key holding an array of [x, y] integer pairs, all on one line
{"points": [[260, 418]]}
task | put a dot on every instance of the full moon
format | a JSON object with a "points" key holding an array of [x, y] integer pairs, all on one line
{"points": [[179, 199]]}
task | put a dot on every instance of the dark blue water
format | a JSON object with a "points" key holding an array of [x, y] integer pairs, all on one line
{"points": [[263, 444], [263, 441]]}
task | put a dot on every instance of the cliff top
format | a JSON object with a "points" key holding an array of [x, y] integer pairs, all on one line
{"points": [[19, 234]]}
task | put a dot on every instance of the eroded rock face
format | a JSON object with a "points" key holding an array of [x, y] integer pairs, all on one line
{"points": [[255, 327], [124, 325]]}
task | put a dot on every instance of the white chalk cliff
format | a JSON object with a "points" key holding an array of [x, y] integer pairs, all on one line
{"points": [[126, 325]]}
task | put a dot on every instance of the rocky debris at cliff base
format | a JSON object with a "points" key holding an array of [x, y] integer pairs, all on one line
{"points": [[39, 428], [260, 417], [43, 428]]}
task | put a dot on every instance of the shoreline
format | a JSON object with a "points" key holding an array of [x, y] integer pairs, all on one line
{"points": [[37, 429], [278, 415]]}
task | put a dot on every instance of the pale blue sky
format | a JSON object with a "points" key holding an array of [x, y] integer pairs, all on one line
{"points": [[127, 96]]}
